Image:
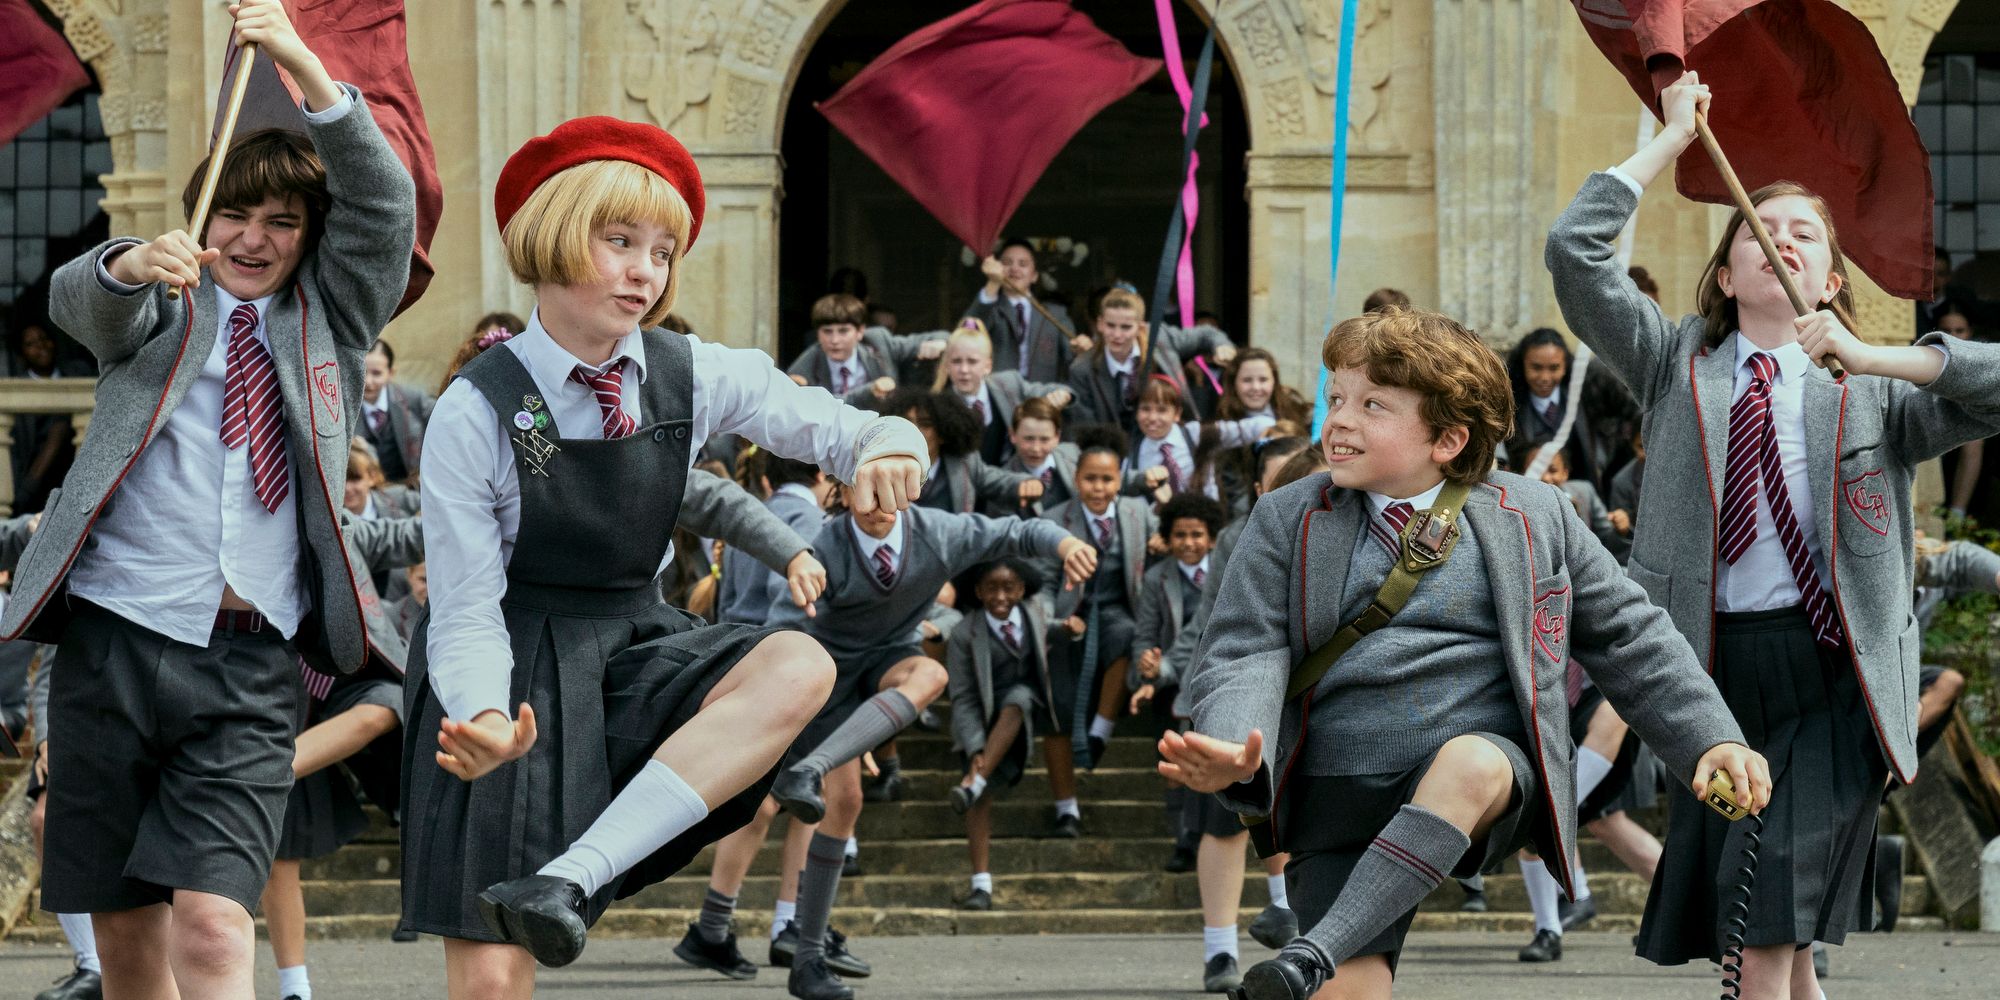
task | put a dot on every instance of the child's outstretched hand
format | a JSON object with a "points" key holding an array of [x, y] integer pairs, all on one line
{"points": [[1621, 521], [1081, 344], [1030, 490], [1206, 764], [174, 258], [1156, 546], [473, 749], [1140, 699], [994, 272], [1149, 663], [1079, 561], [1747, 770], [807, 580], [1075, 625]]}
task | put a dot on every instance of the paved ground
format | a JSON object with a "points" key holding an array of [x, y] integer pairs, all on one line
{"points": [[1454, 965]]}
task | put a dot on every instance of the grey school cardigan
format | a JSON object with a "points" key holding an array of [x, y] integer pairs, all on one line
{"points": [[1865, 436], [150, 350], [1557, 595]]}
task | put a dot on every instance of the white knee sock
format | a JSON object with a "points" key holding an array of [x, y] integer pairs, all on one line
{"points": [[1278, 895], [983, 880], [1542, 893], [82, 939], [782, 913], [853, 847], [1591, 768], [978, 785], [652, 810], [1579, 878], [292, 982], [1101, 727], [1068, 807], [1218, 941]]}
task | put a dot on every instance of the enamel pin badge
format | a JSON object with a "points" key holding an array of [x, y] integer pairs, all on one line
{"points": [[536, 450]]}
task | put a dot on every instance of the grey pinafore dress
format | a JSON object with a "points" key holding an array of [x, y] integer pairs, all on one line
{"points": [[610, 669]]}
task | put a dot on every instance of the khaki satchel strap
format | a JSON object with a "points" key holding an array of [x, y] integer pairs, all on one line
{"points": [[1425, 544]]}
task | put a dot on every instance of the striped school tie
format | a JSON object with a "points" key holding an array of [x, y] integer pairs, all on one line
{"points": [[1753, 454], [885, 566], [1007, 634], [606, 387], [252, 412], [1175, 476], [1389, 530]]}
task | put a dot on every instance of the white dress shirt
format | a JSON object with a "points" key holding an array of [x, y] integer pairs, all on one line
{"points": [[1151, 454], [1188, 569], [186, 522], [1422, 501], [1761, 578], [1543, 403], [472, 491], [1125, 367], [369, 511]]}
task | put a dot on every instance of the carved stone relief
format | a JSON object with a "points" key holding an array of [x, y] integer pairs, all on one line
{"points": [[669, 65]]}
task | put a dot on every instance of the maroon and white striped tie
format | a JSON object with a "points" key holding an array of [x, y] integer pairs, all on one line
{"points": [[885, 566], [1175, 477], [1753, 455], [1007, 633], [1389, 530], [318, 685], [840, 380], [1200, 576], [979, 410], [1048, 475], [1103, 532], [252, 412], [617, 423]]}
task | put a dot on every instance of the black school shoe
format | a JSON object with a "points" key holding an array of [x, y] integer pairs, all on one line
{"points": [[13, 725], [786, 945], [813, 980], [962, 799], [1575, 915], [888, 788], [1219, 975], [1065, 827], [979, 899], [542, 913], [1546, 947], [1293, 975], [722, 956], [1275, 927], [1474, 902], [797, 789], [80, 984]]}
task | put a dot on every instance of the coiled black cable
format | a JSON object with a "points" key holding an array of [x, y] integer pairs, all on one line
{"points": [[1739, 913]]}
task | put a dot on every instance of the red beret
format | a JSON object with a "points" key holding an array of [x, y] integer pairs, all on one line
{"points": [[581, 140]]}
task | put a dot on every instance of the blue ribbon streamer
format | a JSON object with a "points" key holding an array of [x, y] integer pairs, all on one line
{"points": [[1344, 77]]}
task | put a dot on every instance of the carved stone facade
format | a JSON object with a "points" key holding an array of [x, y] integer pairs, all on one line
{"points": [[1459, 159]]}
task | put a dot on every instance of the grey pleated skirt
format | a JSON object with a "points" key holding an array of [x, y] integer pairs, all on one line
{"points": [[607, 691], [1802, 708]]}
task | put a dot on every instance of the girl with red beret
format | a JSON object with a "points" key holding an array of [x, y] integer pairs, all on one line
{"points": [[553, 472]]}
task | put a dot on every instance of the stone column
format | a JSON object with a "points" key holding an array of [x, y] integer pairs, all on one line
{"points": [[729, 282], [1290, 215], [1495, 111]]}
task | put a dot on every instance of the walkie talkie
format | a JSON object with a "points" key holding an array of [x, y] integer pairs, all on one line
{"points": [[1722, 798]]}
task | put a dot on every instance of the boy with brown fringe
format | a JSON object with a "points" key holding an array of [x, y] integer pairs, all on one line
{"points": [[1430, 744]]}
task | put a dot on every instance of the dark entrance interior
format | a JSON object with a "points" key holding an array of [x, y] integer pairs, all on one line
{"points": [[1110, 193]]}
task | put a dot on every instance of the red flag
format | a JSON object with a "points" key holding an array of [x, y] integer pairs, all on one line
{"points": [[1802, 93], [363, 42], [966, 114], [37, 69]]}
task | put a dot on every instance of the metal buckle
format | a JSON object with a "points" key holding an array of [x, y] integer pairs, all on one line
{"points": [[1428, 539]]}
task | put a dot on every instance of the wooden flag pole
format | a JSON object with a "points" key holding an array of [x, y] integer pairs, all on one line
{"points": [[1799, 305], [237, 87]]}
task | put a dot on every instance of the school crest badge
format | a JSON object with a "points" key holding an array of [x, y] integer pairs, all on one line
{"points": [[326, 387], [1866, 499], [1551, 625]]}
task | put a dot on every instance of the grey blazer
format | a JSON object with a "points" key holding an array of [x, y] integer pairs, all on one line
{"points": [[1048, 348], [386, 543], [409, 410], [1557, 595], [751, 585], [1095, 391], [1158, 622], [975, 485], [1962, 568], [880, 353], [1866, 436], [1188, 643], [1136, 523], [150, 350], [968, 661], [1009, 388], [714, 507], [1065, 457]]}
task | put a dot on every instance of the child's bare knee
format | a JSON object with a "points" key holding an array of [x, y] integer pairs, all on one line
{"points": [[1479, 769]]}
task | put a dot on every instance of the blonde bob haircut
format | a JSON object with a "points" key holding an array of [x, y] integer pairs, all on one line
{"points": [[548, 239], [972, 331]]}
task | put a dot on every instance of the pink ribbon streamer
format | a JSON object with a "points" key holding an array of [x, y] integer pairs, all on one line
{"points": [[1170, 47]]}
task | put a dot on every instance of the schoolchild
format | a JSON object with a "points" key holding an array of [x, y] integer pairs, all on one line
{"points": [[967, 370], [848, 357]]}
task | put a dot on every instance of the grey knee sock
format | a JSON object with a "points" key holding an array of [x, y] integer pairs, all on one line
{"points": [[716, 909], [1407, 860], [817, 886], [871, 725]]}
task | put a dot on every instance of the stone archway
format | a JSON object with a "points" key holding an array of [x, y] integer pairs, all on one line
{"points": [[125, 43], [721, 80]]}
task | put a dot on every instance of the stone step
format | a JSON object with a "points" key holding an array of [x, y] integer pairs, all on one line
{"points": [[668, 925], [1620, 893], [1104, 783], [914, 856], [933, 752]]}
